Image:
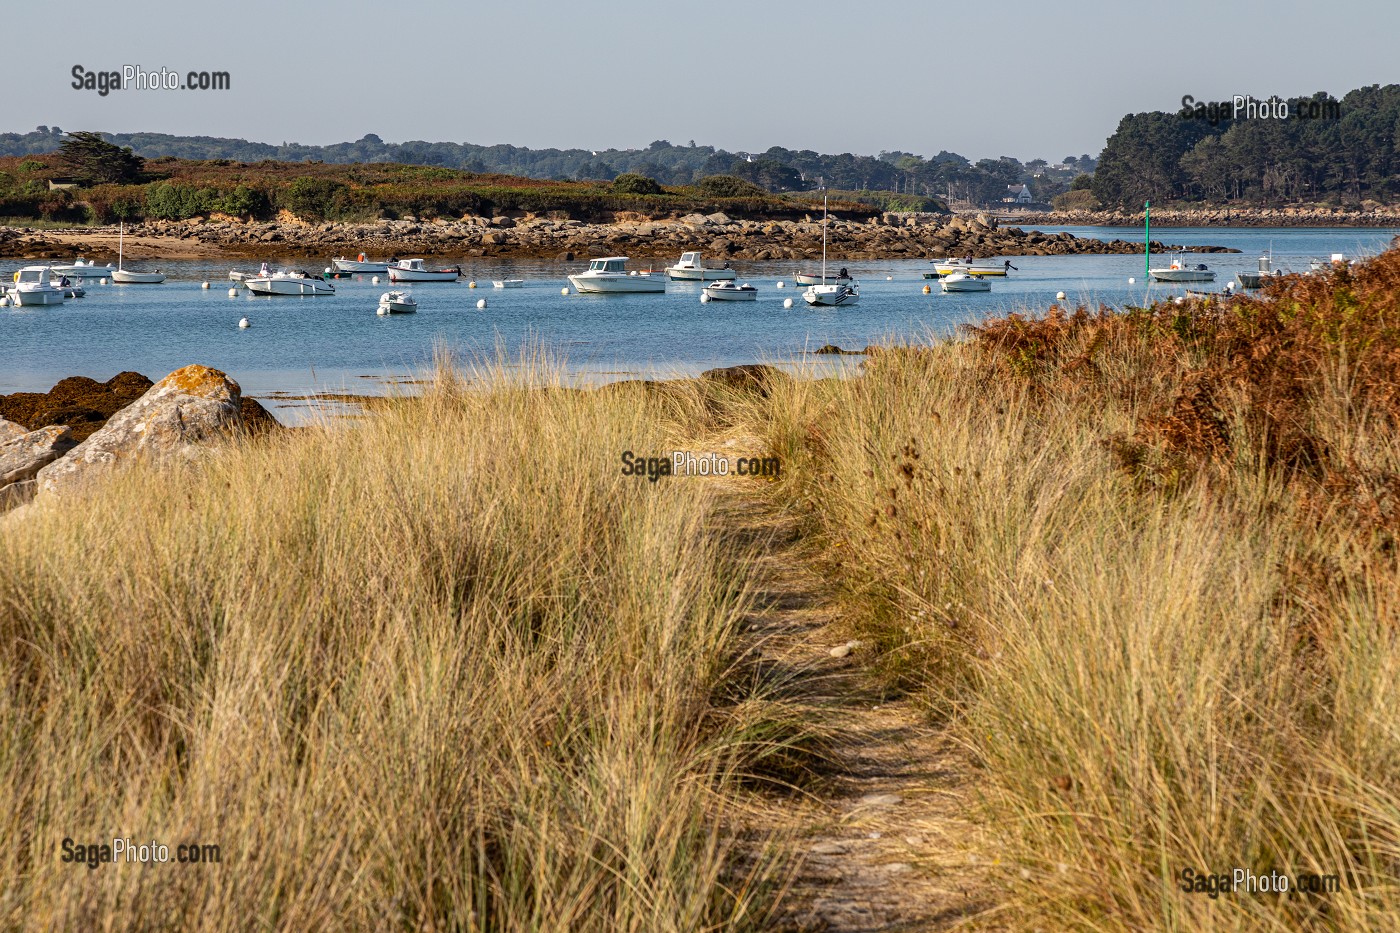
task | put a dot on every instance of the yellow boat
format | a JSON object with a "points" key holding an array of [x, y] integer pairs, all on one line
{"points": [[977, 267]]}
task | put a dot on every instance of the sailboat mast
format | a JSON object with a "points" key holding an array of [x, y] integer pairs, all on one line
{"points": [[823, 239], [121, 238]]}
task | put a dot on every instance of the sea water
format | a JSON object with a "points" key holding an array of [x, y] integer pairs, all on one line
{"points": [[297, 346]]}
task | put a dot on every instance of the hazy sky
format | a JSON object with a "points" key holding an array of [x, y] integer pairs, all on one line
{"points": [[1029, 79]]}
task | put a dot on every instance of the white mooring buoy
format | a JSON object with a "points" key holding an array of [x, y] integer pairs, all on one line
{"points": [[780, 284], [481, 304], [1059, 296], [203, 284], [233, 293], [1131, 280], [563, 291], [374, 281], [787, 302], [704, 298], [101, 281], [244, 324]]}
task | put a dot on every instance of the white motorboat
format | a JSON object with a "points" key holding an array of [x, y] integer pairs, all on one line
{"points": [[1327, 265], [972, 266], [691, 269], [413, 270], [729, 291], [1265, 272], [397, 303], [824, 291], [359, 264], [610, 276], [84, 270], [507, 283], [33, 286], [1179, 270], [288, 282], [814, 278], [125, 276], [965, 282]]}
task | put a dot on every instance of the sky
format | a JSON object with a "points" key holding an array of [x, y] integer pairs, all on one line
{"points": [[1041, 79]]}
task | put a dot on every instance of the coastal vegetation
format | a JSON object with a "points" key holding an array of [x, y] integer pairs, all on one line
{"points": [[176, 189], [1326, 151], [776, 170], [446, 668], [1143, 565]]}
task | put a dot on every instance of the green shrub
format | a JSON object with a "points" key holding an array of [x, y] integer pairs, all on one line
{"points": [[632, 183], [727, 186]]}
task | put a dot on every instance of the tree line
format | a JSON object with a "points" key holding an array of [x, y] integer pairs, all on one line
{"points": [[1326, 150], [776, 170]]}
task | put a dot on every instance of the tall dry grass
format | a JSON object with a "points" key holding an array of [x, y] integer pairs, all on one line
{"points": [[446, 669], [1145, 565]]}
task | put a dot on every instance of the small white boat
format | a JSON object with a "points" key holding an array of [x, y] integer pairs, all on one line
{"points": [[832, 294], [610, 276], [972, 266], [507, 283], [965, 282], [71, 289], [359, 264], [814, 278], [1179, 270], [84, 270], [413, 270], [1327, 265], [288, 282], [824, 291], [691, 269], [33, 286], [728, 291], [1257, 278], [126, 277], [397, 303]]}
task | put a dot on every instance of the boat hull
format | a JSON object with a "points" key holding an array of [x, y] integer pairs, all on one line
{"points": [[618, 284], [32, 297], [732, 294], [84, 272], [815, 278], [430, 275], [700, 275], [972, 285], [507, 283], [354, 265], [1181, 275], [123, 277], [952, 268], [831, 295], [293, 287]]}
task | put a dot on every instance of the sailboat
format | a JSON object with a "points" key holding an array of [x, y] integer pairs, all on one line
{"points": [[840, 293], [126, 277]]}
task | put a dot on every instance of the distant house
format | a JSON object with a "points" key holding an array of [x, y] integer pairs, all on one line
{"points": [[1018, 194], [60, 184]]}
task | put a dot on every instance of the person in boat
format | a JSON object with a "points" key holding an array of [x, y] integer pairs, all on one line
{"points": [[843, 274], [726, 264]]}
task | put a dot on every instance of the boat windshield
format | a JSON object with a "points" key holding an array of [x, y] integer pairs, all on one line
{"points": [[31, 275], [606, 265]]}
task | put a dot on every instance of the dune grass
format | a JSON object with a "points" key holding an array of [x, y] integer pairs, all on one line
{"points": [[445, 669], [1144, 564]]}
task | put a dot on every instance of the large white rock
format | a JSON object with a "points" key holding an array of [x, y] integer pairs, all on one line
{"points": [[9, 430], [22, 457], [174, 420]]}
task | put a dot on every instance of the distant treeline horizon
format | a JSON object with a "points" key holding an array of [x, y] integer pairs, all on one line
{"points": [[1322, 149], [777, 170]]}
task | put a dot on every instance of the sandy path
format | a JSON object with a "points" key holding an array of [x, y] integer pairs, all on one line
{"points": [[886, 839]]}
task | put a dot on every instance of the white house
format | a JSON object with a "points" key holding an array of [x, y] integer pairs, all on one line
{"points": [[1018, 194]]}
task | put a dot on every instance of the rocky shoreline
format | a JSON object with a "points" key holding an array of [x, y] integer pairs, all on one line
{"points": [[1214, 217], [889, 236]]}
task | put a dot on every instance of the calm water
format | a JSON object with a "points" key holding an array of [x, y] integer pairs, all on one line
{"points": [[336, 343]]}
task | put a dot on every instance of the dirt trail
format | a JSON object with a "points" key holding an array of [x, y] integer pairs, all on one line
{"points": [[885, 840]]}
